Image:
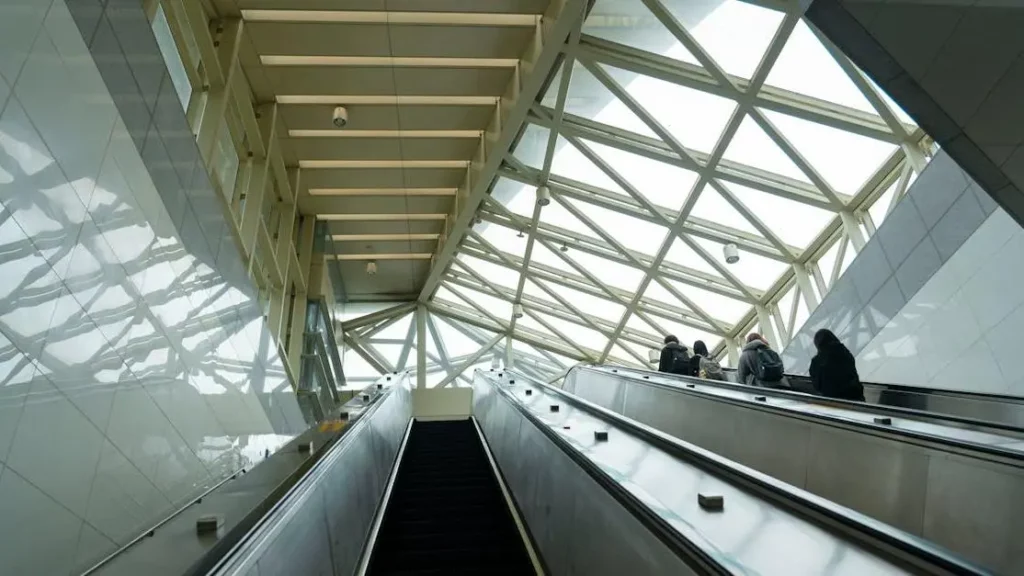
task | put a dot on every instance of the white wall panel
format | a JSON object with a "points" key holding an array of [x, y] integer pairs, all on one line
{"points": [[135, 369]]}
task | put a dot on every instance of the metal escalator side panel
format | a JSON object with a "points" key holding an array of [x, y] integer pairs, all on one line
{"points": [[322, 524]]}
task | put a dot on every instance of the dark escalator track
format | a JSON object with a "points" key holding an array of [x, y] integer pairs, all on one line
{"points": [[447, 514]]}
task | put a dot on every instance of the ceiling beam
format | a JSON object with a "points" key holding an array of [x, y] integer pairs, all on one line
{"points": [[536, 64]]}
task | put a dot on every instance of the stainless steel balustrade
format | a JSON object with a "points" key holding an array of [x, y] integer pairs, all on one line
{"points": [[943, 480], [550, 460]]}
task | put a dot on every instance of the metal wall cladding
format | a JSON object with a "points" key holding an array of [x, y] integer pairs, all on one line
{"points": [[969, 504], [577, 526], [329, 524]]}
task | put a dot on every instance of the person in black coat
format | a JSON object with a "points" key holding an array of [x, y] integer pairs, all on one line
{"points": [[675, 358], [834, 370]]}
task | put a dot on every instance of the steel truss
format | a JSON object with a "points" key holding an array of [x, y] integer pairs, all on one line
{"points": [[803, 283]]}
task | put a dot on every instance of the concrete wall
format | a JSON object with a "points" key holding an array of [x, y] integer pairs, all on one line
{"points": [[961, 330], [135, 369], [942, 209]]}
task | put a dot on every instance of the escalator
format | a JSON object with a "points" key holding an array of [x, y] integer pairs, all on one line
{"points": [[446, 513]]}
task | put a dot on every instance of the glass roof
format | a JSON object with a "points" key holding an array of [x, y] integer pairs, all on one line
{"points": [[661, 161]]}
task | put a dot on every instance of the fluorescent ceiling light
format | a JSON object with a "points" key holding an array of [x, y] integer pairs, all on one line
{"points": [[382, 191], [398, 256], [308, 164], [376, 17], [387, 100], [380, 217], [382, 237], [385, 133], [388, 61]]}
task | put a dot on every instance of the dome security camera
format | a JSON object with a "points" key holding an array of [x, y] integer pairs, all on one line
{"points": [[340, 117]]}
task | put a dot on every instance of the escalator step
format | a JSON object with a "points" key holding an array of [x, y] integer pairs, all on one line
{"points": [[446, 514]]}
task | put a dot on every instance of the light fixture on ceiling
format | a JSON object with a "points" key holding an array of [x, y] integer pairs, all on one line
{"points": [[478, 220], [732, 253], [543, 196], [520, 235], [340, 117], [517, 310], [565, 247], [371, 267]]}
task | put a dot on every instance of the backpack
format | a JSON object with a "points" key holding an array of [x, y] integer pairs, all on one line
{"points": [[710, 369], [769, 365], [680, 362]]}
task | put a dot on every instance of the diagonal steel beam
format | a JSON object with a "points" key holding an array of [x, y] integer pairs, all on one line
{"points": [[562, 17]]}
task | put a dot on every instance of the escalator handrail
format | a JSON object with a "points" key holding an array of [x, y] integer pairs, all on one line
{"points": [[909, 413], [700, 560], [965, 394], [246, 538], [795, 500]]}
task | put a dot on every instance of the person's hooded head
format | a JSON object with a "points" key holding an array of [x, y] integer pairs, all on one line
{"points": [[700, 348], [673, 342], [825, 339]]}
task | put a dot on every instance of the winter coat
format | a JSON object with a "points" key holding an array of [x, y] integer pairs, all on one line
{"points": [[834, 373], [746, 371], [665, 363]]}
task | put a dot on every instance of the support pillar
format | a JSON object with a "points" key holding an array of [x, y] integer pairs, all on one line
{"points": [[852, 228], [764, 319], [803, 280], [421, 346]]}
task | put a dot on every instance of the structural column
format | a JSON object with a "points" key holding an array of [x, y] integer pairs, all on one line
{"points": [[764, 318], [803, 281], [421, 346]]}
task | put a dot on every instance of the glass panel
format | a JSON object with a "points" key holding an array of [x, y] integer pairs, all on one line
{"points": [[457, 343], [556, 215], [753, 270], [635, 322], [499, 275], [516, 197], [571, 163], [581, 335], [619, 355], [528, 322], [661, 184], [734, 34], [728, 310], [712, 206], [793, 222], [544, 256], [443, 293], [805, 67], [845, 160], [172, 58], [587, 303], [356, 367], [631, 23], [589, 98], [504, 239], [532, 145], [226, 165], [397, 331], [643, 237], [500, 308], [881, 205], [683, 255], [611, 273], [752, 147], [694, 118], [828, 261]]}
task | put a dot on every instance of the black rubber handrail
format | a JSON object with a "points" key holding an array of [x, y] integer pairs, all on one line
{"points": [[900, 546], [986, 396], [692, 554], [909, 413]]}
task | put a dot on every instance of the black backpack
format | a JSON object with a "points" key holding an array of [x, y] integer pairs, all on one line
{"points": [[769, 365], [680, 362]]}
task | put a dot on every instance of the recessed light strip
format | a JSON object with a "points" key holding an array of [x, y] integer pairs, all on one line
{"points": [[380, 217], [386, 100], [385, 133], [378, 17], [400, 256], [383, 191], [382, 237], [388, 61]]}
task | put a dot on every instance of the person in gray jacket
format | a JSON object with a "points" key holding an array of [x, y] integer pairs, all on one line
{"points": [[759, 365]]}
